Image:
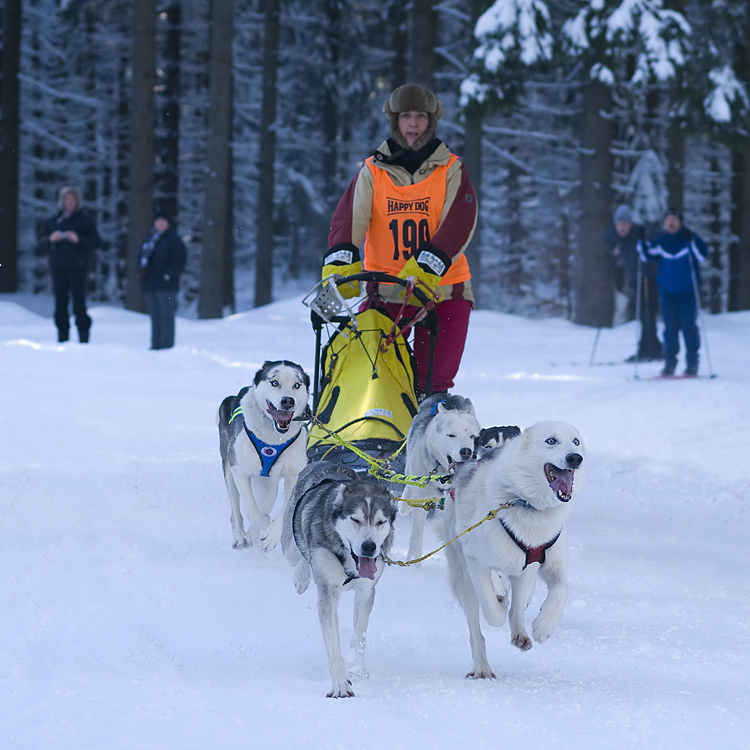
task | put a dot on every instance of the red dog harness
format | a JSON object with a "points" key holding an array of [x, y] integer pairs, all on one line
{"points": [[533, 554]]}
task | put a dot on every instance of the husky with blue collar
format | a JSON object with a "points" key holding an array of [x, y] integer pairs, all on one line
{"points": [[263, 440]]}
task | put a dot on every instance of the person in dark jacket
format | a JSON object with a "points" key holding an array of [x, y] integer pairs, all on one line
{"points": [[161, 262], [678, 251], [623, 237], [70, 236]]}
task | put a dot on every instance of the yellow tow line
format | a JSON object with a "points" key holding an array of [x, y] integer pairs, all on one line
{"points": [[380, 472]]}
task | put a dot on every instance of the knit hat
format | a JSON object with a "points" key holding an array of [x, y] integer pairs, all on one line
{"points": [[673, 212], [413, 98], [159, 214], [623, 213], [67, 190]]}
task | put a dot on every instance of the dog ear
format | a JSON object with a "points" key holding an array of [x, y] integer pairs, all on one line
{"points": [[262, 372]]}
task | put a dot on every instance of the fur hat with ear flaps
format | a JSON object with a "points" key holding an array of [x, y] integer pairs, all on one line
{"points": [[413, 98]]}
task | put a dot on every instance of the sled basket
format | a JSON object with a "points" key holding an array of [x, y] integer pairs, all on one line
{"points": [[364, 385]]}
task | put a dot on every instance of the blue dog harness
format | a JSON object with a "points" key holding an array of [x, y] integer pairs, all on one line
{"points": [[268, 453]]}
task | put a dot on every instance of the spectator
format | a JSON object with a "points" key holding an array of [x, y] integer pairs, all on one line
{"points": [[70, 237], [161, 262], [623, 237], [414, 208], [678, 289]]}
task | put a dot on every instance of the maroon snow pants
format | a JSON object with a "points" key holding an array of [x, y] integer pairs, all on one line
{"points": [[453, 315]]}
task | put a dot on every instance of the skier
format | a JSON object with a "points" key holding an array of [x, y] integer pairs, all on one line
{"points": [[623, 238], [677, 249]]}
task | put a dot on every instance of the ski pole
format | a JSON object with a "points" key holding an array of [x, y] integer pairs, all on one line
{"points": [[638, 333], [701, 326], [593, 351]]}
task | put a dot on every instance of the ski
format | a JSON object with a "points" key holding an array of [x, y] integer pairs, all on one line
{"points": [[675, 377]]}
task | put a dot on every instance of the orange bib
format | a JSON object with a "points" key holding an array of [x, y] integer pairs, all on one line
{"points": [[403, 218]]}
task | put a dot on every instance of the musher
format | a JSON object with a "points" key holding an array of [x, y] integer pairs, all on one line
{"points": [[414, 208]]}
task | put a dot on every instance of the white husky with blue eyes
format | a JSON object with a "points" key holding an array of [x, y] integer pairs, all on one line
{"points": [[533, 474]]}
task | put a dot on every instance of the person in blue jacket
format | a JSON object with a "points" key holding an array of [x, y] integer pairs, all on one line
{"points": [[162, 260], [679, 251]]}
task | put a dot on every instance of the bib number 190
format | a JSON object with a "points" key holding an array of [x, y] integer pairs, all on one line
{"points": [[408, 238]]}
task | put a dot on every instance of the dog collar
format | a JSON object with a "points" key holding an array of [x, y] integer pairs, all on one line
{"points": [[533, 554], [267, 452]]}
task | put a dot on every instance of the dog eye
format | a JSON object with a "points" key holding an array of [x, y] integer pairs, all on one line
{"points": [[576, 441], [450, 436], [275, 383], [551, 441], [297, 385], [357, 521]]}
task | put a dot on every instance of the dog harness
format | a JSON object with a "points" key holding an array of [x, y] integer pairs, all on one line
{"points": [[268, 453], [533, 554]]}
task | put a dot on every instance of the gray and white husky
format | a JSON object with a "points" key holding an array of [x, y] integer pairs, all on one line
{"points": [[535, 473], [262, 441], [336, 528], [441, 437]]}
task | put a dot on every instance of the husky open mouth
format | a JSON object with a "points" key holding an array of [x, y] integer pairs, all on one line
{"points": [[560, 481], [365, 566], [282, 419]]}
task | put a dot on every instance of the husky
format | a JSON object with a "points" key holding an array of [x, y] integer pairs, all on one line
{"points": [[262, 441], [441, 437], [337, 527], [534, 473], [490, 438]]}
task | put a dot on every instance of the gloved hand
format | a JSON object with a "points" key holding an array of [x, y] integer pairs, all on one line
{"points": [[432, 280], [347, 290]]}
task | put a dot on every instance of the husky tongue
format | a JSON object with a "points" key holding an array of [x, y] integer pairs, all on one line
{"points": [[282, 418], [562, 484], [366, 567]]}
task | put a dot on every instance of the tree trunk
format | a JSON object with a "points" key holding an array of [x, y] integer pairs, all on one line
{"points": [[739, 252], [424, 39], [267, 160], [142, 134], [9, 104], [168, 171], [676, 169], [216, 228], [594, 268], [472, 159], [398, 22]]}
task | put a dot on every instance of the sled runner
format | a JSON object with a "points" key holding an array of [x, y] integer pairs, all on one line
{"points": [[365, 372]]}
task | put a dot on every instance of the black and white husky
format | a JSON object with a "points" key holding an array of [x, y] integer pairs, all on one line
{"points": [[337, 526], [535, 474], [262, 441], [441, 437]]}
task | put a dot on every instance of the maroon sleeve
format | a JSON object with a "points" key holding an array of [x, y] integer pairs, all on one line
{"points": [[341, 221], [457, 228]]}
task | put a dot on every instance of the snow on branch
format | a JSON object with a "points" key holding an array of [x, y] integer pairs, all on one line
{"points": [[655, 35], [727, 90], [513, 26]]}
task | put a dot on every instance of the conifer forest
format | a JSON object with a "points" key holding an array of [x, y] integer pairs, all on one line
{"points": [[245, 120]]}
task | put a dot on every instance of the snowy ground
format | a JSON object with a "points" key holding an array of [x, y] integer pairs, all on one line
{"points": [[128, 621]]}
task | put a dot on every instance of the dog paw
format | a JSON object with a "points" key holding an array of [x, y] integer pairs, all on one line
{"points": [[341, 690], [521, 641], [241, 542], [270, 537], [542, 630], [481, 673]]}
